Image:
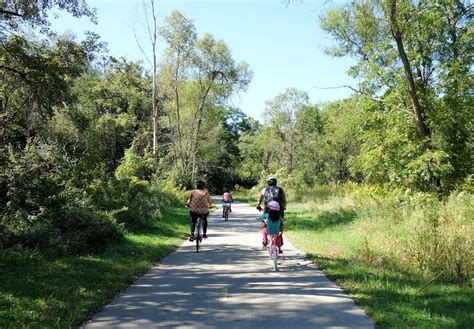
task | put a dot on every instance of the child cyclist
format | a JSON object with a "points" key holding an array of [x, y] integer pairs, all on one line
{"points": [[272, 223], [226, 201]]}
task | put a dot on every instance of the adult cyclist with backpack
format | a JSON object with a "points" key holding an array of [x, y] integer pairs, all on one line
{"points": [[272, 192]]}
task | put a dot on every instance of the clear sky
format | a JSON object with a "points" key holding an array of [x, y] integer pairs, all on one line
{"points": [[283, 44]]}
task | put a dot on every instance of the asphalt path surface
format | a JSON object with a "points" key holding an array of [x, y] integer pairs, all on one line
{"points": [[230, 283]]}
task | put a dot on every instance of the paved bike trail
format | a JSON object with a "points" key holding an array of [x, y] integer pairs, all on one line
{"points": [[230, 283]]}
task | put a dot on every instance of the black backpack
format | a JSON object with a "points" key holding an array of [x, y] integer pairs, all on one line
{"points": [[274, 193]]}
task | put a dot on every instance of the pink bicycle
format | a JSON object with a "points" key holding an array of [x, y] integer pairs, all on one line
{"points": [[273, 249]]}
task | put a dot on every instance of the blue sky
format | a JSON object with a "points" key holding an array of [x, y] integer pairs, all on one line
{"points": [[283, 45]]}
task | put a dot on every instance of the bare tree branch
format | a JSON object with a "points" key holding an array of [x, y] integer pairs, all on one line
{"points": [[371, 97], [140, 46], [21, 74], [9, 12]]}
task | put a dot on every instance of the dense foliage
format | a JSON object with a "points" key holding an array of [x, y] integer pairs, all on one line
{"points": [[76, 158], [77, 145]]}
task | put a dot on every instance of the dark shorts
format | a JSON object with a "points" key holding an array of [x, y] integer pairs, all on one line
{"points": [[194, 216]]}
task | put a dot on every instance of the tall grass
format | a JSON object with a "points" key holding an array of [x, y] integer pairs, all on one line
{"points": [[405, 257], [418, 231]]}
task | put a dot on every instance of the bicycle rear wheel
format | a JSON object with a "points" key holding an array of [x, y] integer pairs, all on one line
{"points": [[197, 236], [275, 258], [226, 215]]}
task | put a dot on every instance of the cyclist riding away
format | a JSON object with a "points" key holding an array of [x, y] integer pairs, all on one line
{"points": [[272, 192], [272, 223], [226, 201], [199, 203]]}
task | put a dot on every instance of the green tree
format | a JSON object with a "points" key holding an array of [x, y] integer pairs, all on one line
{"points": [[340, 140], [252, 152], [34, 13], [112, 110], [35, 79], [221, 153], [281, 117], [414, 54], [180, 35], [196, 75]]}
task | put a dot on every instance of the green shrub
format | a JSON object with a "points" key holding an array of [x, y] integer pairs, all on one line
{"points": [[131, 200], [35, 184], [134, 165], [168, 193], [79, 231], [135, 195], [66, 231]]}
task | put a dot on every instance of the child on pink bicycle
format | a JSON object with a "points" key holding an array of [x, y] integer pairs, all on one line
{"points": [[272, 223], [226, 201]]}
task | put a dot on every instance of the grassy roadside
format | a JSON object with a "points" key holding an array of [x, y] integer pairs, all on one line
{"points": [[393, 297], [333, 233], [37, 292], [247, 196]]}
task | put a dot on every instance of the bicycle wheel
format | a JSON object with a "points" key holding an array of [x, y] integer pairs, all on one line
{"points": [[270, 246], [226, 215], [197, 235], [275, 258]]}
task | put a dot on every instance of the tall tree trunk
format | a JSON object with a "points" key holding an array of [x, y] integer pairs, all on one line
{"points": [[154, 87], [417, 108], [178, 115], [173, 146], [200, 111]]}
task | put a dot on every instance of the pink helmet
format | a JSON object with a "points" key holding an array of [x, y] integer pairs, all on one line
{"points": [[273, 205]]}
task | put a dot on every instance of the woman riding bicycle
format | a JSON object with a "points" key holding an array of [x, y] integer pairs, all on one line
{"points": [[272, 223], [199, 203]]}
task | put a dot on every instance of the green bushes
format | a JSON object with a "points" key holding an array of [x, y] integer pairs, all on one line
{"points": [[405, 257], [108, 207], [65, 231], [131, 200], [134, 195], [35, 185], [79, 231], [43, 208]]}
